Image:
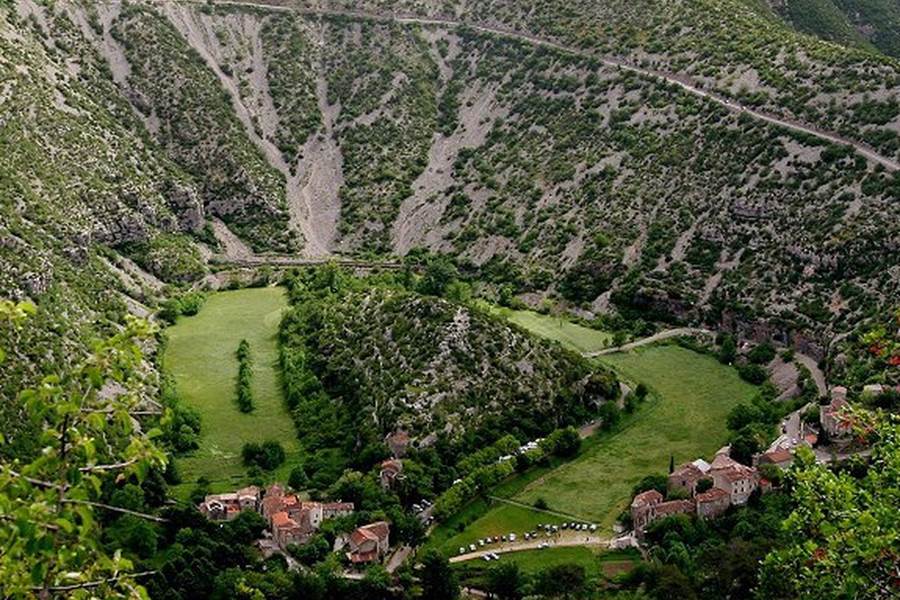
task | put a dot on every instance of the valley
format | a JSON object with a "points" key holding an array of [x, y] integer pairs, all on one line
{"points": [[446, 299], [200, 357], [685, 419]]}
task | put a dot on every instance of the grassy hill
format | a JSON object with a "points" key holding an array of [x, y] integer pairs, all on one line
{"points": [[200, 355]]}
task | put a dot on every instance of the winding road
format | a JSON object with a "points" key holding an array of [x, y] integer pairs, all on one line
{"points": [[681, 81]]}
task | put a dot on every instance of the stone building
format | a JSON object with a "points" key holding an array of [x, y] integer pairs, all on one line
{"points": [[224, 507], [369, 543], [834, 417], [291, 520], [712, 503]]}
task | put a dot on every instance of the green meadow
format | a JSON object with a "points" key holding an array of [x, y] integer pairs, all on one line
{"points": [[684, 417], [596, 563], [201, 357], [695, 393], [573, 336]]}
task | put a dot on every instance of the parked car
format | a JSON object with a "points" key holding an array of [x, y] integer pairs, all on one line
{"points": [[512, 537], [462, 549]]}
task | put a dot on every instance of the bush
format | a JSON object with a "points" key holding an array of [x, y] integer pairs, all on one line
{"points": [[609, 415], [728, 350], [762, 354], [752, 373], [267, 456], [541, 504]]}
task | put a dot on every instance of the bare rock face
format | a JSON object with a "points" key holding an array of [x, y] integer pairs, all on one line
{"points": [[76, 251], [121, 229], [185, 203], [36, 284]]}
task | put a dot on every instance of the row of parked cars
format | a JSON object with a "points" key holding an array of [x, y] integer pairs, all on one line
{"points": [[529, 535]]}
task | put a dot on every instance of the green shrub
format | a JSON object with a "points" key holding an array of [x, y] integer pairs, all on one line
{"points": [[268, 455]]}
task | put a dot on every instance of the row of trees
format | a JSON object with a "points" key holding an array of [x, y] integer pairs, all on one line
{"points": [[244, 378]]}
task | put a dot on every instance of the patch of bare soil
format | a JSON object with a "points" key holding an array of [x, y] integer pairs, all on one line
{"points": [[784, 378], [320, 169]]}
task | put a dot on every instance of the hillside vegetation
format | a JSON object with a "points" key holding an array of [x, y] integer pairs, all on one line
{"points": [[391, 360], [140, 139], [872, 24]]}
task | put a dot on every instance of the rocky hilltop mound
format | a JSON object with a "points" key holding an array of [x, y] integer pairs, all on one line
{"points": [[392, 360]]}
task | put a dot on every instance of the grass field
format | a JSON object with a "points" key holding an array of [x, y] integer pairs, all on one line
{"points": [[574, 337], [201, 357], [693, 394], [696, 393], [530, 562]]}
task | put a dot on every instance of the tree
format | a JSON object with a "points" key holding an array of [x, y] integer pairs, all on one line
{"points": [[609, 414], [844, 530], [565, 580], [438, 579], [568, 443], [440, 272], [728, 350], [506, 581], [459, 292], [298, 479], [51, 542], [268, 455], [752, 373], [762, 354], [705, 484], [651, 482]]}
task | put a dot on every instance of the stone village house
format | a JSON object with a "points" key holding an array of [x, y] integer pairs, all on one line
{"points": [[369, 543], [732, 484], [291, 520]]}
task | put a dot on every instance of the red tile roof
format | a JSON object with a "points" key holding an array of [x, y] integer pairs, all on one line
{"points": [[712, 495], [281, 519], [736, 473], [648, 497], [377, 531], [777, 456]]}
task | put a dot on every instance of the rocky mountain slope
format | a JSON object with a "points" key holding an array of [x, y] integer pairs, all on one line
{"points": [[393, 360], [139, 138], [872, 24]]}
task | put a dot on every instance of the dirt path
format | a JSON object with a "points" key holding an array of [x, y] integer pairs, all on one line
{"points": [[681, 81], [657, 337], [539, 510]]}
